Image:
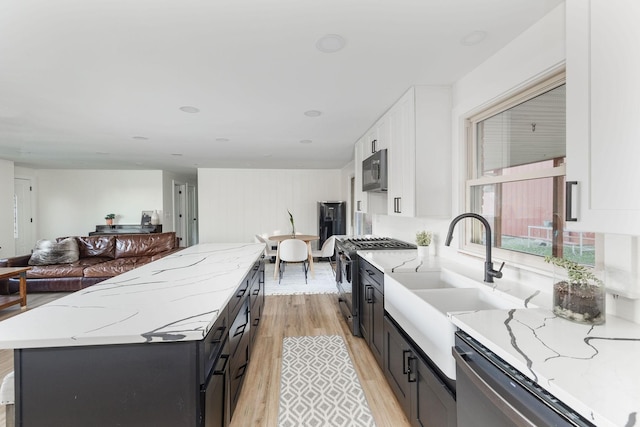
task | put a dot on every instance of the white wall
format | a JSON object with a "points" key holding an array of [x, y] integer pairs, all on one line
{"points": [[7, 241], [73, 202], [236, 204]]}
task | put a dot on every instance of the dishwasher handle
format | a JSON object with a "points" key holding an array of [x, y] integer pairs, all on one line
{"points": [[503, 406]]}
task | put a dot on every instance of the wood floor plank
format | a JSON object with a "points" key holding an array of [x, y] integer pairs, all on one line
{"points": [[299, 316], [284, 315]]}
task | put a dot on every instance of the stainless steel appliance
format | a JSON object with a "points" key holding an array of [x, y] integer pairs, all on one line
{"points": [[374, 172], [490, 392], [347, 280], [332, 220]]}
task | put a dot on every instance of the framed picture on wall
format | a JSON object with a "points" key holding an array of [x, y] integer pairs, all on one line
{"points": [[146, 218]]}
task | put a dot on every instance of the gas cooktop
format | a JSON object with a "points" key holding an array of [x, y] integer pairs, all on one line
{"points": [[368, 243]]}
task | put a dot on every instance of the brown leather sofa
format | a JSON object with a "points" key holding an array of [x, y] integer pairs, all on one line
{"points": [[101, 257]]}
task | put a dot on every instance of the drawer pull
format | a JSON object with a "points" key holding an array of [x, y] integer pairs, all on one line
{"points": [[240, 330]]}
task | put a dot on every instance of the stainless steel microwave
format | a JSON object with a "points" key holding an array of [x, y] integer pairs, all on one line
{"points": [[374, 172]]}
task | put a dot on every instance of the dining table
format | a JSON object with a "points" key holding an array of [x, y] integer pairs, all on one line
{"points": [[307, 238]]}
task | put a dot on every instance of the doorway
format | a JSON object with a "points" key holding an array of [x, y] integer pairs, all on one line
{"points": [[23, 232], [185, 213]]}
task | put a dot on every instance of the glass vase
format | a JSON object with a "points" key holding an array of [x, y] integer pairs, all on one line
{"points": [[580, 300]]}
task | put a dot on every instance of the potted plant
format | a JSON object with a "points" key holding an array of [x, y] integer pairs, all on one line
{"points": [[109, 218], [293, 225], [578, 293], [423, 240]]}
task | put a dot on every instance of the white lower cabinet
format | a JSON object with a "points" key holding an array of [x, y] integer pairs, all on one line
{"points": [[603, 107]]}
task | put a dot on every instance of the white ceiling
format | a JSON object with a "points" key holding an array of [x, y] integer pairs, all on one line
{"points": [[81, 81]]}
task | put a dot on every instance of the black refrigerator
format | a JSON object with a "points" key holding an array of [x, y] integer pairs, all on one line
{"points": [[331, 220]]}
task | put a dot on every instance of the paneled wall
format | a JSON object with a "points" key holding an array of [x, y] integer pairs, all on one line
{"points": [[236, 204]]}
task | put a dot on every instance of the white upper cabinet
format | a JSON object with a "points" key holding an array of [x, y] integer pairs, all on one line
{"points": [[401, 157], [377, 137], [420, 153], [360, 196], [603, 109]]}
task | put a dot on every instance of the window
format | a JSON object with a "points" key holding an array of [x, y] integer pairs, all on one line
{"points": [[517, 177]]}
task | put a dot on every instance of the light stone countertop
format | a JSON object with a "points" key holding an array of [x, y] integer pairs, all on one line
{"points": [[593, 369], [176, 298], [400, 261]]}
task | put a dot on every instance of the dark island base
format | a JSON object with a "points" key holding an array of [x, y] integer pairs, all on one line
{"points": [[124, 385]]}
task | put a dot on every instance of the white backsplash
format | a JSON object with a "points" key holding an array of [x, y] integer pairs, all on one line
{"points": [[621, 261]]}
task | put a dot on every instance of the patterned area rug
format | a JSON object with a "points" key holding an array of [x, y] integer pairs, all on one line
{"points": [[292, 282], [319, 385]]}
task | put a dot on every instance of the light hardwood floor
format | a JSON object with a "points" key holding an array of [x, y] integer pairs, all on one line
{"points": [[288, 315]]}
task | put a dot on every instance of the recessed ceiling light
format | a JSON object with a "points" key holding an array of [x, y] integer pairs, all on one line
{"points": [[330, 43], [473, 38], [176, 154], [141, 138], [306, 141], [222, 139], [189, 109], [313, 113]]}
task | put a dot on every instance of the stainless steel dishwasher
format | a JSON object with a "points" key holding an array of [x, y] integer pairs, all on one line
{"points": [[490, 392]]}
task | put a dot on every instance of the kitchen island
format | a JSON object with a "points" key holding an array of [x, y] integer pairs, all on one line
{"points": [[142, 347]]}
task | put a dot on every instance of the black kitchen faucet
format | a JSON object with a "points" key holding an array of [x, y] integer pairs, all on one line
{"points": [[489, 272]]}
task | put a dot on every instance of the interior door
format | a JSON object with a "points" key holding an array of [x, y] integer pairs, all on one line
{"points": [[192, 215], [180, 212], [23, 216]]}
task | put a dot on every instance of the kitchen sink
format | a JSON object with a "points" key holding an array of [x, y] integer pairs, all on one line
{"points": [[417, 281], [423, 312], [463, 299]]}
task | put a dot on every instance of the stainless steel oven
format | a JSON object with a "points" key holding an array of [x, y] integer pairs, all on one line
{"points": [[344, 282], [347, 280]]}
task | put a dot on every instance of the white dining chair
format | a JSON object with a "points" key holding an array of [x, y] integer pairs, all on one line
{"points": [[268, 252], [327, 250], [293, 250]]}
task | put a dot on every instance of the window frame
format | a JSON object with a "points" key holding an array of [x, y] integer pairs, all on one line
{"points": [[504, 103]]}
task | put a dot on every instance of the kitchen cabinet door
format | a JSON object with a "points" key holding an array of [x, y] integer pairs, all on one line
{"points": [[432, 404], [396, 361], [372, 308], [402, 163], [420, 153], [377, 137], [361, 197], [603, 107], [425, 399]]}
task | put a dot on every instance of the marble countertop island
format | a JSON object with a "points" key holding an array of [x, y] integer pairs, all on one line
{"points": [[593, 369], [176, 298]]}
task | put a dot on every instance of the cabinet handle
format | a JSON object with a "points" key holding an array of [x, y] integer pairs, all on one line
{"points": [[358, 207], [373, 146], [406, 355], [225, 358], [368, 294], [240, 330], [568, 187], [219, 335], [396, 205], [369, 272], [411, 375]]}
